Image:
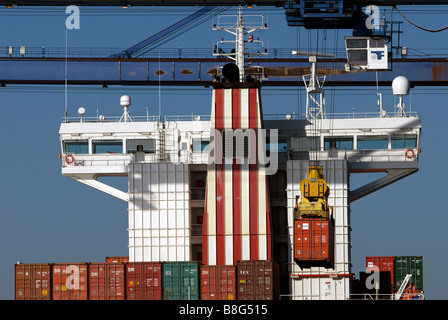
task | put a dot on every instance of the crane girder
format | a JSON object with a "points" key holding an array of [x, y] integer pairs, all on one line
{"points": [[200, 72], [275, 3]]}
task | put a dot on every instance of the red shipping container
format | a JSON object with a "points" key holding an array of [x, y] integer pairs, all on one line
{"points": [[218, 283], [117, 259], [70, 281], [106, 281], [313, 240], [258, 280], [144, 281], [383, 263], [33, 281]]}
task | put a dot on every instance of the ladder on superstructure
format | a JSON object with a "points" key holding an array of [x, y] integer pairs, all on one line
{"points": [[161, 128], [403, 286]]}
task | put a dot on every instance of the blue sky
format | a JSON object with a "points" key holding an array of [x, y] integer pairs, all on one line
{"points": [[46, 217]]}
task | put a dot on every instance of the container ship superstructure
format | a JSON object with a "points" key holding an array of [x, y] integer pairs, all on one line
{"points": [[239, 186]]}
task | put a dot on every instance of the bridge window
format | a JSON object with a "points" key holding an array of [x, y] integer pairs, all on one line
{"points": [[341, 143], [404, 141], [107, 146], [372, 142], [200, 145], [282, 144], [76, 147], [148, 145]]}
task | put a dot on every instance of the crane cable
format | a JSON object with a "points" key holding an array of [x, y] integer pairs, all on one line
{"points": [[425, 29]]}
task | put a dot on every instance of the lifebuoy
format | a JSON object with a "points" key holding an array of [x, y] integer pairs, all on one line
{"points": [[409, 153], [69, 159]]}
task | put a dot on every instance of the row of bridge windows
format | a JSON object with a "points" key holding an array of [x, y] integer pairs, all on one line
{"points": [[109, 146], [371, 142], [201, 145]]}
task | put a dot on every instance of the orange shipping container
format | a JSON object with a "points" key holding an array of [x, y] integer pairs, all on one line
{"points": [[106, 281], [258, 280], [144, 281], [383, 263], [70, 281], [33, 281], [218, 283], [313, 240]]}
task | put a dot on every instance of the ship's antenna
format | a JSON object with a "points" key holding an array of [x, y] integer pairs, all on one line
{"points": [[65, 84], [125, 102], [400, 88], [160, 97], [315, 100], [239, 29], [380, 99]]}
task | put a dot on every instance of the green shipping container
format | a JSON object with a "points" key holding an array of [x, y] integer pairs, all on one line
{"points": [[404, 265], [180, 280]]}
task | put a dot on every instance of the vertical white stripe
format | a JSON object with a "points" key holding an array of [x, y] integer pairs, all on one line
{"points": [[211, 250], [212, 116], [258, 110], [229, 250], [211, 200], [262, 227], [262, 205], [228, 181], [262, 247], [228, 184], [227, 121], [245, 247], [211, 183], [244, 107], [244, 186]]}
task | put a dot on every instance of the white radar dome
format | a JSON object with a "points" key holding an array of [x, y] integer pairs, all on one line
{"points": [[81, 111], [400, 86], [125, 101]]}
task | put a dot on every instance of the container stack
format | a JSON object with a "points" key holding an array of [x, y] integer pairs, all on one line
{"points": [[392, 272], [313, 222], [123, 280]]}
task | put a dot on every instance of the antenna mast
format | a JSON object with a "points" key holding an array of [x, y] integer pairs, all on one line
{"points": [[239, 29], [315, 100]]}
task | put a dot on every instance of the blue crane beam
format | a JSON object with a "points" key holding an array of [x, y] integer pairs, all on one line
{"points": [[156, 38], [200, 72]]}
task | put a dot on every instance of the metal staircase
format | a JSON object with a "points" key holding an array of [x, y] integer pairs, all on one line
{"points": [[403, 286]]}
